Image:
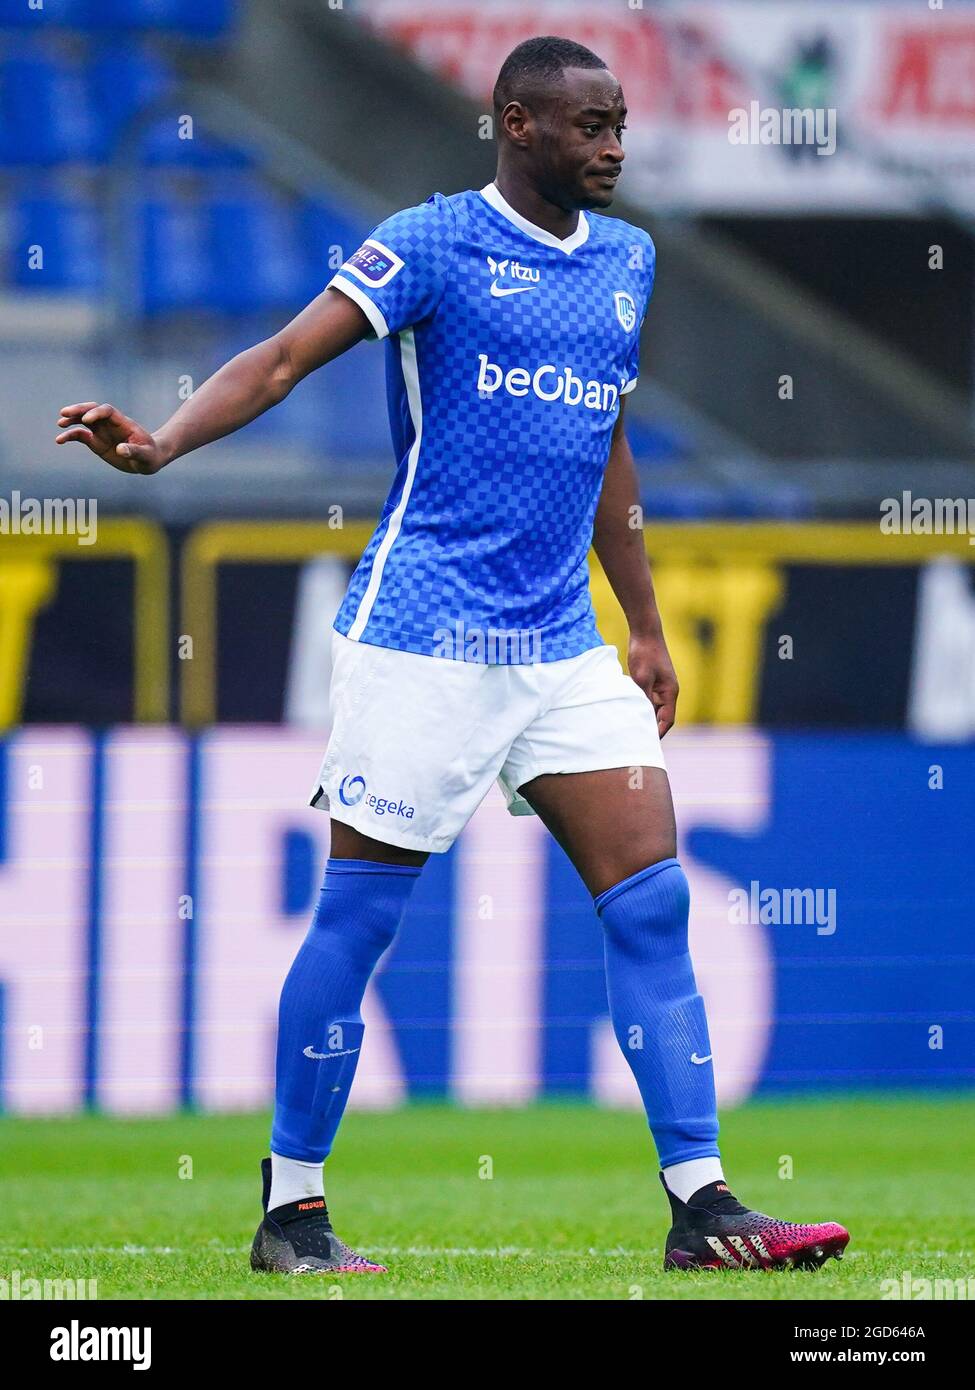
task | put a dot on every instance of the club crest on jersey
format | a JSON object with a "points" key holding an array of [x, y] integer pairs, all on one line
{"points": [[374, 264], [625, 310], [503, 271]]}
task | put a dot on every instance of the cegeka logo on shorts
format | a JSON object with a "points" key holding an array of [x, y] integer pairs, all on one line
{"points": [[352, 790], [380, 806]]}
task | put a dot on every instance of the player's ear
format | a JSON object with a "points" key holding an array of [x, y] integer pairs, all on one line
{"points": [[516, 121]]}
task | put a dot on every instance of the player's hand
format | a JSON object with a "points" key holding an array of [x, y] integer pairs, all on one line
{"points": [[112, 436], [652, 669]]}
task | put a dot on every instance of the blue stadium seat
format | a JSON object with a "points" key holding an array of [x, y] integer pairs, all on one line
{"points": [[125, 77], [687, 502], [329, 237], [258, 256], [47, 115], [655, 441], [68, 233], [772, 500], [56, 14], [193, 18], [177, 270], [355, 423], [169, 144]]}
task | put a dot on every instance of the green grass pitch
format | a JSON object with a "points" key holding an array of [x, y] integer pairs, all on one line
{"points": [[572, 1209]]}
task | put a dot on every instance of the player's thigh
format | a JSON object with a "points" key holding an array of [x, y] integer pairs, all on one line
{"points": [[415, 744], [611, 823], [349, 843]]}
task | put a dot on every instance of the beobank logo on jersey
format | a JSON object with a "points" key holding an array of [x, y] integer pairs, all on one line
{"points": [[548, 383]]}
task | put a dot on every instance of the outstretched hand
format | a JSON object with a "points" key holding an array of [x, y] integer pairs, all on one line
{"points": [[112, 436]]}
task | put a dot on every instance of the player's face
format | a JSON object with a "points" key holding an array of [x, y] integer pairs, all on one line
{"points": [[579, 150]]}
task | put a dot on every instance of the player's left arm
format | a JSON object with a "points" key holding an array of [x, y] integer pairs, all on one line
{"points": [[618, 541]]}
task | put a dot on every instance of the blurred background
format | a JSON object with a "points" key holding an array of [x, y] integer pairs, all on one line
{"points": [[177, 178]]}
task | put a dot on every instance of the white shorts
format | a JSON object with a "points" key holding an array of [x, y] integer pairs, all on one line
{"points": [[417, 740]]}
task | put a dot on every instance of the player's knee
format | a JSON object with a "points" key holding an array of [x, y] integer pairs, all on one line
{"points": [[630, 856], [361, 905], [370, 933], [646, 913]]}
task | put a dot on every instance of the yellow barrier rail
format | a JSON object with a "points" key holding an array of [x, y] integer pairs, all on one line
{"points": [[718, 583], [28, 581]]}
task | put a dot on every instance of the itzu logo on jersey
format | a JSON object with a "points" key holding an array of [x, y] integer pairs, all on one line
{"points": [[548, 383], [501, 269]]}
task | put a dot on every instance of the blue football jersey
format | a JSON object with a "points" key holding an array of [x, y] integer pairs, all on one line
{"points": [[507, 353]]}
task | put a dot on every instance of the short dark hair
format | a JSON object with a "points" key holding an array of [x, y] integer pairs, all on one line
{"points": [[536, 66]]}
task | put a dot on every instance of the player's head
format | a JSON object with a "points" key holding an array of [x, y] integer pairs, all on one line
{"points": [[559, 115]]}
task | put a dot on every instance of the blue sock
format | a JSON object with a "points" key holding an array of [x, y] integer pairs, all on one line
{"points": [[319, 1023], [658, 1015]]}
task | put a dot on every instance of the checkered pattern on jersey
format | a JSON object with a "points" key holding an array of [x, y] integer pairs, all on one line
{"points": [[422, 238], [498, 523]]}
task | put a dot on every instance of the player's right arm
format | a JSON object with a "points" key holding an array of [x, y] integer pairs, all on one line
{"points": [[242, 389]]}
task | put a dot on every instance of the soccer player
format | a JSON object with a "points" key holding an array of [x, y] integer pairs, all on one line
{"points": [[466, 649]]}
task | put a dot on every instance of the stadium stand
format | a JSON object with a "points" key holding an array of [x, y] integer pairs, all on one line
{"points": [[218, 246]]}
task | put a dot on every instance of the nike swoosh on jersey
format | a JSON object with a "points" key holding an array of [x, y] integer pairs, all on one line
{"points": [[498, 293]]}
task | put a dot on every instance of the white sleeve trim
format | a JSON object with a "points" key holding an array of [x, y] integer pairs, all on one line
{"points": [[372, 311], [625, 390]]}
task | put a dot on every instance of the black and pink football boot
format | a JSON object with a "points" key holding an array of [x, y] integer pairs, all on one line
{"points": [[714, 1231], [298, 1239]]}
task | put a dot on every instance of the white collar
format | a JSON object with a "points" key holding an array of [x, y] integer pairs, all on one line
{"points": [[492, 194]]}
